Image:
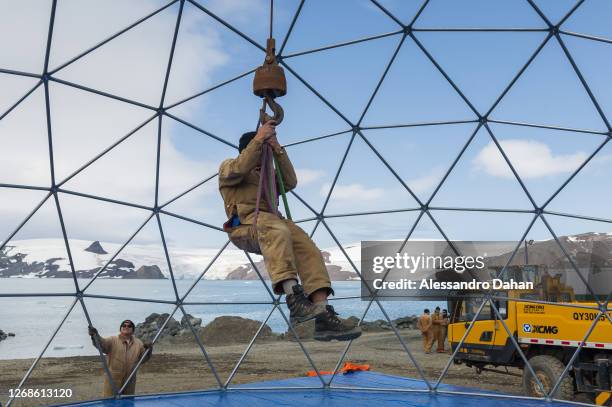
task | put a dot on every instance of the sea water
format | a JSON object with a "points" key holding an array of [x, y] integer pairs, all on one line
{"points": [[34, 319]]}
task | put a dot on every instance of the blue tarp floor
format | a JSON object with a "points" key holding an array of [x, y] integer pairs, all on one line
{"points": [[331, 397]]}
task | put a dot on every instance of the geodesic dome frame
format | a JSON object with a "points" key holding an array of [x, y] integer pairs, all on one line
{"points": [[406, 32]]}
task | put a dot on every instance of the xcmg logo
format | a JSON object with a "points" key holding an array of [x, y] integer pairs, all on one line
{"points": [[540, 329]]}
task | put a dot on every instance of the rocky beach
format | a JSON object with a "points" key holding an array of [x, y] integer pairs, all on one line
{"points": [[178, 364]]}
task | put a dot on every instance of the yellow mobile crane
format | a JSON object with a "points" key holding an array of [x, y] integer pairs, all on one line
{"points": [[548, 335]]}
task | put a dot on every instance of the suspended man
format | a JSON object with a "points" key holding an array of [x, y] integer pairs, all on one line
{"points": [[289, 254]]}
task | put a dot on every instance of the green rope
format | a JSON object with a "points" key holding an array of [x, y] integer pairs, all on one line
{"points": [[271, 189], [282, 189]]}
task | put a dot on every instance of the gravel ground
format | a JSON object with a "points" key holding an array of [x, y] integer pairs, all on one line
{"points": [[180, 366]]}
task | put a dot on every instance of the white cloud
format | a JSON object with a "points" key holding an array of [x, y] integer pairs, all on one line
{"points": [[352, 192], [530, 158], [241, 10], [85, 126], [306, 175], [426, 182]]}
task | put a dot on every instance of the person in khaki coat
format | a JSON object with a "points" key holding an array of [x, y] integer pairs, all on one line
{"points": [[122, 354], [289, 253], [424, 324]]}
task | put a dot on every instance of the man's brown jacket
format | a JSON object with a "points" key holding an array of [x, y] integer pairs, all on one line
{"points": [[239, 180], [121, 357]]}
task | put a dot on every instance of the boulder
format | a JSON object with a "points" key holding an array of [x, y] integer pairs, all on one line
{"points": [[190, 320], [231, 329], [375, 326], [147, 330], [406, 322]]}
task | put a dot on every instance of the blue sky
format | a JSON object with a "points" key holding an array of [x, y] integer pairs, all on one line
{"points": [[481, 64]]}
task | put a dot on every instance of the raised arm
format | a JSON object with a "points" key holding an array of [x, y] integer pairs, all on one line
{"points": [[232, 171], [104, 343]]}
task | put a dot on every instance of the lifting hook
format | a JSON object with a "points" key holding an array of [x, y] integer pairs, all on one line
{"points": [[270, 83], [279, 114]]}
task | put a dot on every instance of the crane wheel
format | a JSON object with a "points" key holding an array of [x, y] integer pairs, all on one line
{"points": [[548, 369]]}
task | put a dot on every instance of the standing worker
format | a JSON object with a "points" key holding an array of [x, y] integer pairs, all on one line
{"points": [[123, 353], [443, 332], [436, 320], [287, 250], [424, 324]]}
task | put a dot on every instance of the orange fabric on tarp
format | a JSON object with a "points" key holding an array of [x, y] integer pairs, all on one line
{"points": [[347, 368]]}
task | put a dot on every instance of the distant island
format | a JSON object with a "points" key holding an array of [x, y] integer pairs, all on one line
{"points": [[247, 272], [46, 258], [14, 264]]}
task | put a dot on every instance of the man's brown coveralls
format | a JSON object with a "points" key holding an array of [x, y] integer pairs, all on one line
{"points": [[436, 329], [443, 333], [424, 324], [121, 357], [287, 250]]}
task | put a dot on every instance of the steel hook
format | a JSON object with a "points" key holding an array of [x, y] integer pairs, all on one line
{"points": [[279, 114]]}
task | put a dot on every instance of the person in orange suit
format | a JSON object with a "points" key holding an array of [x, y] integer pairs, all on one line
{"points": [[424, 323]]}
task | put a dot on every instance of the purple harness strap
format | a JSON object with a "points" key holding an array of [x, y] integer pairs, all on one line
{"points": [[272, 178], [266, 169]]}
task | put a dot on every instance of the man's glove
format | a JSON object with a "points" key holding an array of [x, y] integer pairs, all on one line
{"points": [[147, 345], [92, 331]]}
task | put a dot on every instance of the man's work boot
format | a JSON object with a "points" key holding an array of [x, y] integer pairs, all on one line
{"points": [[301, 309], [329, 326]]}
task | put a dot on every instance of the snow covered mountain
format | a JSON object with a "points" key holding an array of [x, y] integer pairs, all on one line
{"points": [[47, 258]]}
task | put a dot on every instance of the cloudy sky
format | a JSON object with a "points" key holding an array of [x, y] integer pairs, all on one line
{"points": [[133, 67]]}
